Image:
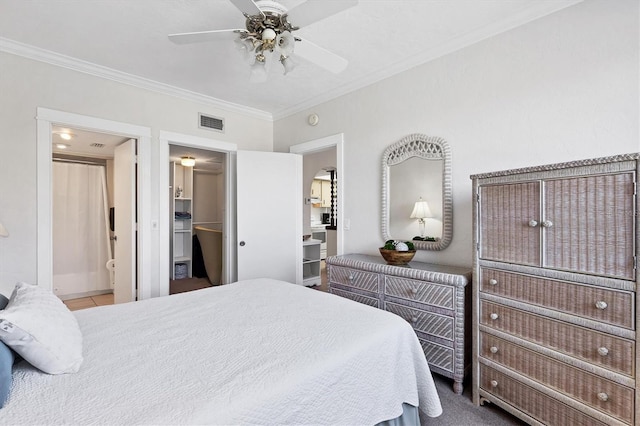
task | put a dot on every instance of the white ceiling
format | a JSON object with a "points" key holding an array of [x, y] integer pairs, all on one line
{"points": [[129, 37]]}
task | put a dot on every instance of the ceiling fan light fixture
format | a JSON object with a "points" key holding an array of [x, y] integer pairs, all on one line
{"points": [[285, 43], [268, 34], [258, 70], [188, 161], [288, 64], [267, 29]]}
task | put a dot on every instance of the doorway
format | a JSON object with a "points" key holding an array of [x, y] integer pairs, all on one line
{"points": [[89, 264], [197, 218], [315, 154], [323, 158], [47, 119], [172, 147], [255, 219]]}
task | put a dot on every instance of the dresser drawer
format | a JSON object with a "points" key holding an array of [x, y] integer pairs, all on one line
{"points": [[439, 357], [602, 394], [532, 402], [357, 297], [613, 353], [354, 278], [420, 291], [427, 322], [601, 304]]}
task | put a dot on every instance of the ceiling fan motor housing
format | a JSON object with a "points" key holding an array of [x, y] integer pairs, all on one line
{"points": [[274, 17]]}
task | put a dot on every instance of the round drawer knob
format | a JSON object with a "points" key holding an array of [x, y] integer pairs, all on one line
{"points": [[493, 316], [603, 351], [533, 223], [601, 304], [493, 281], [547, 224], [603, 396], [351, 277], [414, 291], [494, 383], [493, 349], [414, 319]]}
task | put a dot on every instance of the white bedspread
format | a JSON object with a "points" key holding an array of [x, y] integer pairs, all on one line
{"points": [[253, 352]]}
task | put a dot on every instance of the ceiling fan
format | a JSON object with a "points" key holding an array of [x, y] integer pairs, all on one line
{"points": [[269, 31]]}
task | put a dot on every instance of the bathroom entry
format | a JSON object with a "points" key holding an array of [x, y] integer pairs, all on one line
{"points": [[85, 246], [197, 211]]}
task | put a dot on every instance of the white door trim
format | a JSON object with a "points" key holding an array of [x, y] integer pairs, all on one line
{"points": [[46, 118], [321, 144], [171, 138]]}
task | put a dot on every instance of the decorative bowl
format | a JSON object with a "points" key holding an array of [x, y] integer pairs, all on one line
{"points": [[394, 257]]}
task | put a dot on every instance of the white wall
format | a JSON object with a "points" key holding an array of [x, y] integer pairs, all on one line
{"points": [[27, 84], [208, 198], [562, 88]]}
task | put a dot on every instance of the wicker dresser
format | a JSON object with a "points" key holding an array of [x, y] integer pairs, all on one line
{"points": [[433, 298], [554, 292]]}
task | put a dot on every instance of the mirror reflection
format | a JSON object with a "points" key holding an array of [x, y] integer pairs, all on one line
{"points": [[416, 196], [415, 204]]}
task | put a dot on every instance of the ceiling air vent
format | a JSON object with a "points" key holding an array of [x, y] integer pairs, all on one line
{"points": [[211, 123], [97, 145]]}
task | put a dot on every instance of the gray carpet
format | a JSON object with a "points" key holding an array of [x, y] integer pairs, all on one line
{"points": [[458, 410]]}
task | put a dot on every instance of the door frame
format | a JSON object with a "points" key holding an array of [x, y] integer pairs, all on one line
{"points": [[171, 138], [322, 144], [46, 119]]}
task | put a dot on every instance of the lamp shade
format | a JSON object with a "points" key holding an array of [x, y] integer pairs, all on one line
{"points": [[3, 231], [420, 210]]}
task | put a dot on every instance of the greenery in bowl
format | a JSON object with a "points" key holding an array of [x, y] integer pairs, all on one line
{"points": [[391, 245]]}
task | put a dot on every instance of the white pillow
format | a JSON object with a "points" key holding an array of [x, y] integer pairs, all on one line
{"points": [[38, 326]]}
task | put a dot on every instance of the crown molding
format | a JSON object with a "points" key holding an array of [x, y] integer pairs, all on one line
{"points": [[535, 11], [52, 58]]}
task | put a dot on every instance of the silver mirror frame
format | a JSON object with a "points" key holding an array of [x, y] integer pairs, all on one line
{"points": [[427, 147]]}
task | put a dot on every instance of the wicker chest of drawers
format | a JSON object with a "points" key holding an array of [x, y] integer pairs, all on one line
{"points": [[554, 292], [433, 298]]}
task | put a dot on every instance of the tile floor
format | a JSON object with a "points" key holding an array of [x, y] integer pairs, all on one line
{"points": [[89, 302]]}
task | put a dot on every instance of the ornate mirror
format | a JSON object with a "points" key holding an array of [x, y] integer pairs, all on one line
{"points": [[417, 203]]}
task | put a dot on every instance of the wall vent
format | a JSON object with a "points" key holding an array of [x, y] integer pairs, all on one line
{"points": [[97, 145], [211, 123]]}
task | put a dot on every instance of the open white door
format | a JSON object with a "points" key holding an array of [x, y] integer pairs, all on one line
{"points": [[269, 215], [124, 201]]}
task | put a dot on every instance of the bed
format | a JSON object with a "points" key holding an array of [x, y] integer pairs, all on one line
{"points": [[254, 352]]}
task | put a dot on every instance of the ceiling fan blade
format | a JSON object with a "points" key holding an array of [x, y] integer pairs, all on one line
{"points": [[320, 56], [247, 7], [315, 10], [201, 36]]}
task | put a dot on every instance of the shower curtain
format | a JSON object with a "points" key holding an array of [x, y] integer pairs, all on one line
{"points": [[81, 246]]}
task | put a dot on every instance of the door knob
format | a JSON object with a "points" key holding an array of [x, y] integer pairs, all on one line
{"points": [[242, 243]]}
